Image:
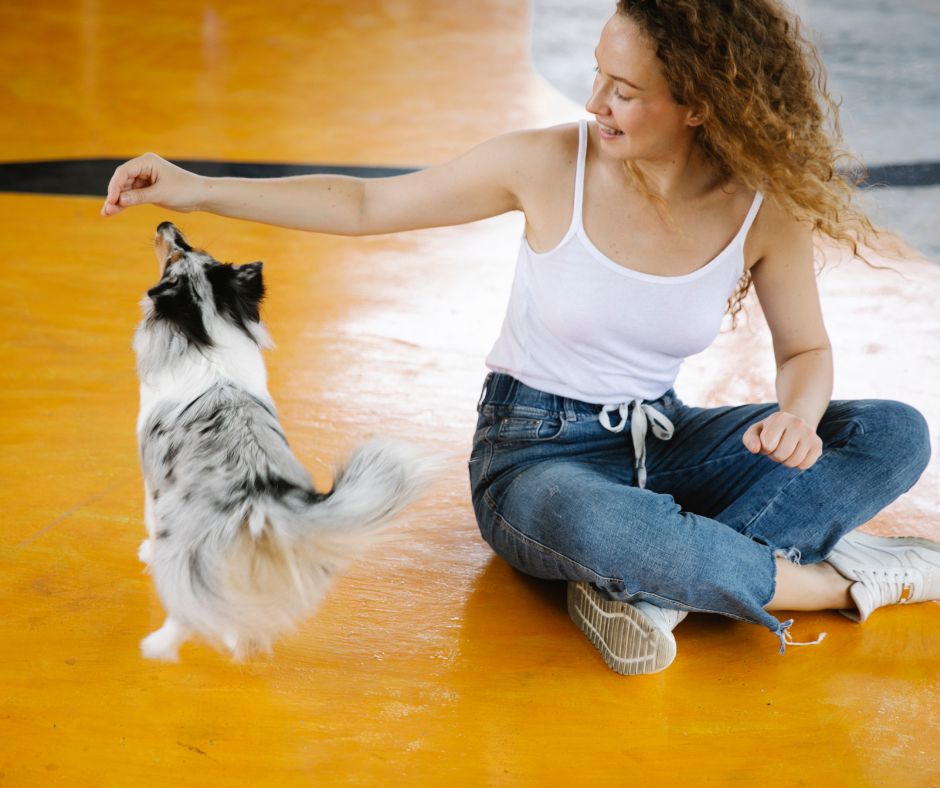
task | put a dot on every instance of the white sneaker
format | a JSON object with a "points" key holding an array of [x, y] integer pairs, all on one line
{"points": [[632, 638], [886, 571]]}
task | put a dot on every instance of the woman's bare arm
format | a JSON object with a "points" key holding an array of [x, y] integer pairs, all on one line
{"points": [[785, 281], [485, 181]]}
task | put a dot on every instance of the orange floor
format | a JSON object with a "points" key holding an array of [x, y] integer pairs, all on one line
{"points": [[431, 662]]}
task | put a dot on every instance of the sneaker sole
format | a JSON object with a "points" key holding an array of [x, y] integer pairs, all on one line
{"points": [[627, 640]]}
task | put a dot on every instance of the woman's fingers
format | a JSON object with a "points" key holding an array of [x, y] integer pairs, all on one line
{"points": [[751, 438], [787, 446], [134, 177], [796, 457], [124, 177], [150, 179], [764, 436], [785, 439], [812, 455], [137, 197]]}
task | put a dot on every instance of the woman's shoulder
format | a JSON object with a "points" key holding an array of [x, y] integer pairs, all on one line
{"points": [[544, 153], [776, 232], [775, 221], [560, 140]]}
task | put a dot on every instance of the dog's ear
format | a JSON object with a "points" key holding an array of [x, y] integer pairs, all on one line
{"points": [[238, 291], [251, 284], [174, 300]]}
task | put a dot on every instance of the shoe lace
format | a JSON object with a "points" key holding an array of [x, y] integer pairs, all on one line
{"points": [[894, 584]]}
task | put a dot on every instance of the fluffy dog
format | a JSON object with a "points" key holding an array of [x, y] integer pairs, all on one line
{"points": [[241, 546]]}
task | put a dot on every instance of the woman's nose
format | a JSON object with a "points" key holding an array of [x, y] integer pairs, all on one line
{"points": [[596, 104]]}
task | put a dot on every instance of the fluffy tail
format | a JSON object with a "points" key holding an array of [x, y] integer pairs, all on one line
{"points": [[380, 479], [326, 532]]}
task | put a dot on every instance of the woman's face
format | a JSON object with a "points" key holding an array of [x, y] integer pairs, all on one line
{"points": [[637, 117]]}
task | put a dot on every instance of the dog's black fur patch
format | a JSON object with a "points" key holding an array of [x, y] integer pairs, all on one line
{"points": [[174, 300], [238, 291]]}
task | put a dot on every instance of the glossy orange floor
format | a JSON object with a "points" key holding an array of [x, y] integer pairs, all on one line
{"points": [[432, 662]]}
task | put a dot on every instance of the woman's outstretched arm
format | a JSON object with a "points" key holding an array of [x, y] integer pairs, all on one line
{"points": [[483, 182]]}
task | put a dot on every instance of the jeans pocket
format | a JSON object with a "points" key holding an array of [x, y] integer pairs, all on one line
{"points": [[519, 425]]}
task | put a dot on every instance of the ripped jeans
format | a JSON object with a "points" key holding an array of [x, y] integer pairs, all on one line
{"points": [[554, 492]]}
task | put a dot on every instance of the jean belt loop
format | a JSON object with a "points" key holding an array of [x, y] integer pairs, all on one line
{"points": [[487, 382], [511, 388], [569, 410]]}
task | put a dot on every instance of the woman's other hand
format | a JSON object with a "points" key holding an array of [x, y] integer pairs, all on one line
{"points": [[785, 438], [150, 179]]}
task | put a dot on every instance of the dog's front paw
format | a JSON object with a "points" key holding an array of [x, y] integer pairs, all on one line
{"points": [[164, 644], [157, 646], [145, 552]]}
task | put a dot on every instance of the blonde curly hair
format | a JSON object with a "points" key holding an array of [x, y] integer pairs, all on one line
{"points": [[768, 121]]}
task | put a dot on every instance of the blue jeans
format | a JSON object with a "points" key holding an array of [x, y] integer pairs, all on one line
{"points": [[554, 495]]}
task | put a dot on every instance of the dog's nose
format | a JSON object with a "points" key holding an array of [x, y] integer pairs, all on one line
{"points": [[169, 234], [168, 240], [166, 234]]}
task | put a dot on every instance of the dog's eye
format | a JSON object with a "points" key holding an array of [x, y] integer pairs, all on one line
{"points": [[172, 279]]}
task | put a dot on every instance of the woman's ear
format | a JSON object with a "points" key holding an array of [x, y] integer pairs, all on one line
{"points": [[695, 115]]}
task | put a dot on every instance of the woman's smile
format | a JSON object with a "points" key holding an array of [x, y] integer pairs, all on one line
{"points": [[607, 132]]}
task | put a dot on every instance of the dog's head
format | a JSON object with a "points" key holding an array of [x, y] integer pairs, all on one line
{"points": [[198, 296]]}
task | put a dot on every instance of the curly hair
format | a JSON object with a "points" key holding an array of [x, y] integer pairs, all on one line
{"points": [[759, 87]]}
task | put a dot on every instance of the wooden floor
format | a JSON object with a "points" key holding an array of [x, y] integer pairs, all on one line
{"points": [[432, 662]]}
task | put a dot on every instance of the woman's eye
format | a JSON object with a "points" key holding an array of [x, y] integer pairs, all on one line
{"points": [[617, 93]]}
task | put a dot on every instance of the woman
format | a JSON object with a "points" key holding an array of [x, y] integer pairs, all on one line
{"points": [[707, 167]]}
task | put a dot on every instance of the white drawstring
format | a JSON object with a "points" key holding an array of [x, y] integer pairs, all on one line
{"points": [[786, 639], [643, 415]]}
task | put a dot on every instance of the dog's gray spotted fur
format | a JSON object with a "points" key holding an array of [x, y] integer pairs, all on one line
{"points": [[242, 546]]}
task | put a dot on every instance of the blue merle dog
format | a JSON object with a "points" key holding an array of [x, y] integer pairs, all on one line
{"points": [[240, 544]]}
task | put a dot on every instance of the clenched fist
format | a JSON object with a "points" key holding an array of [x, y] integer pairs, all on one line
{"points": [[785, 438]]}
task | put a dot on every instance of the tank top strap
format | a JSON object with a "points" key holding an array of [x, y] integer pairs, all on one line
{"points": [[578, 210], [751, 216]]}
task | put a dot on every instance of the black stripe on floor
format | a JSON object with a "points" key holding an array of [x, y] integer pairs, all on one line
{"points": [[89, 177]]}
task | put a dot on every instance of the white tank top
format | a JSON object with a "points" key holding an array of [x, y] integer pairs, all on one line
{"points": [[580, 325]]}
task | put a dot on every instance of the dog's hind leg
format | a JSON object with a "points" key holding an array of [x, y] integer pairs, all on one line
{"points": [[236, 646], [165, 642], [243, 648]]}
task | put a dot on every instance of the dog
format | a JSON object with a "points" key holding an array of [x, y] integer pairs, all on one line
{"points": [[240, 545]]}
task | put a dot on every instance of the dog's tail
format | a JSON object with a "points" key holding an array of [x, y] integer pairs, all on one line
{"points": [[282, 563], [379, 480]]}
